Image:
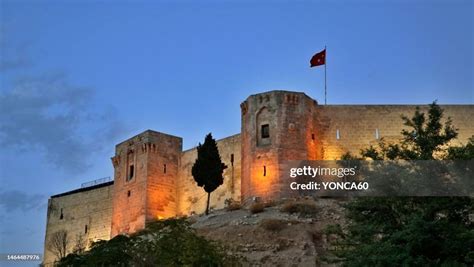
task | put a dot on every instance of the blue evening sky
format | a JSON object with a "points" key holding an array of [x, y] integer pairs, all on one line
{"points": [[77, 77]]}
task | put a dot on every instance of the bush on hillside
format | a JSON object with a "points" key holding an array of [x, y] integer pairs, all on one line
{"points": [[257, 207], [273, 225], [306, 208], [231, 205], [169, 242]]}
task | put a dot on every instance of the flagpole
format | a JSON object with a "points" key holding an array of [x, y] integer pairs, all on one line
{"points": [[325, 64]]}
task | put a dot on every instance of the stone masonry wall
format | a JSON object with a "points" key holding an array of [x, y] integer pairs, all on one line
{"points": [[289, 117], [260, 155], [302, 130], [192, 198], [358, 124], [162, 178], [91, 207], [143, 191], [160, 183]]}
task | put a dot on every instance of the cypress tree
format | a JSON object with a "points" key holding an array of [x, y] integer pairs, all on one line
{"points": [[208, 168]]}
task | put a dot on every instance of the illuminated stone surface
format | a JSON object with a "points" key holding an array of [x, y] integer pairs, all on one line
{"points": [[298, 129]]}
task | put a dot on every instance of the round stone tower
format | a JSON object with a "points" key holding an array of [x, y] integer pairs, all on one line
{"points": [[277, 126]]}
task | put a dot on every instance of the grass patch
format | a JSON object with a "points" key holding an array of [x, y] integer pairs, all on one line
{"points": [[274, 225], [257, 207], [306, 208], [231, 204]]}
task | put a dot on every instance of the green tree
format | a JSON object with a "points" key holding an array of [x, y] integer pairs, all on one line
{"points": [[114, 252], [174, 242], [171, 242], [425, 138], [462, 152], [411, 231], [208, 168]]}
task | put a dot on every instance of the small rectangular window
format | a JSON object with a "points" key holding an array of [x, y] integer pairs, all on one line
{"points": [[377, 134], [338, 135], [164, 168], [265, 131], [85, 229], [128, 193], [312, 137], [264, 170]]}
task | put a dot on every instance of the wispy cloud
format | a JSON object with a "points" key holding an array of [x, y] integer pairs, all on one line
{"points": [[48, 114], [15, 200], [13, 56]]}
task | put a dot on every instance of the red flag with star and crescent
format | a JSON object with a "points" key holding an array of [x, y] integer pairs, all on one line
{"points": [[318, 59]]}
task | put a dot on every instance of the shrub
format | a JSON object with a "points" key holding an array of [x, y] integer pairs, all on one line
{"points": [[101, 253], [269, 203], [273, 225], [232, 205], [169, 242], [303, 207], [257, 208]]}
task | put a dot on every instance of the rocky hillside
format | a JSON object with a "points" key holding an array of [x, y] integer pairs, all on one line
{"points": [[289, 233]]}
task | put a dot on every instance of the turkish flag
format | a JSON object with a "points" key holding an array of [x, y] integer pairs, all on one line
{"points": [[318, 59]]}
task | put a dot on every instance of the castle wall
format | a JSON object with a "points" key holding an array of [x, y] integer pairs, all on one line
{"points": [[144, 191], [288, 117], [152, 175], [192, 198], [260, 160], [302, 130], [91, 207], [162, 173], [357, 125]]}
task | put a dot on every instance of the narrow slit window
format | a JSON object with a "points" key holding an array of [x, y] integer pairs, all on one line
{"points": [[232, 159], [312, 136], [264, 170], [85, 229], [338, 134], [377, 134], [131, 172], [61, 216], [265, 131], [164, 168], [129, 193]]}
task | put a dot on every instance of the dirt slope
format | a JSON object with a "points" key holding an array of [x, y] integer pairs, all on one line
{"points": [[273, 237]]}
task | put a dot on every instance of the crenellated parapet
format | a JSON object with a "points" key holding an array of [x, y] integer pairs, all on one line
{"points": [[115, 161], [243, 107], [149, 147]]}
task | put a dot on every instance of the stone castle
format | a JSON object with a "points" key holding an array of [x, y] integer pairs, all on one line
{"points": [[152, 177]]}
